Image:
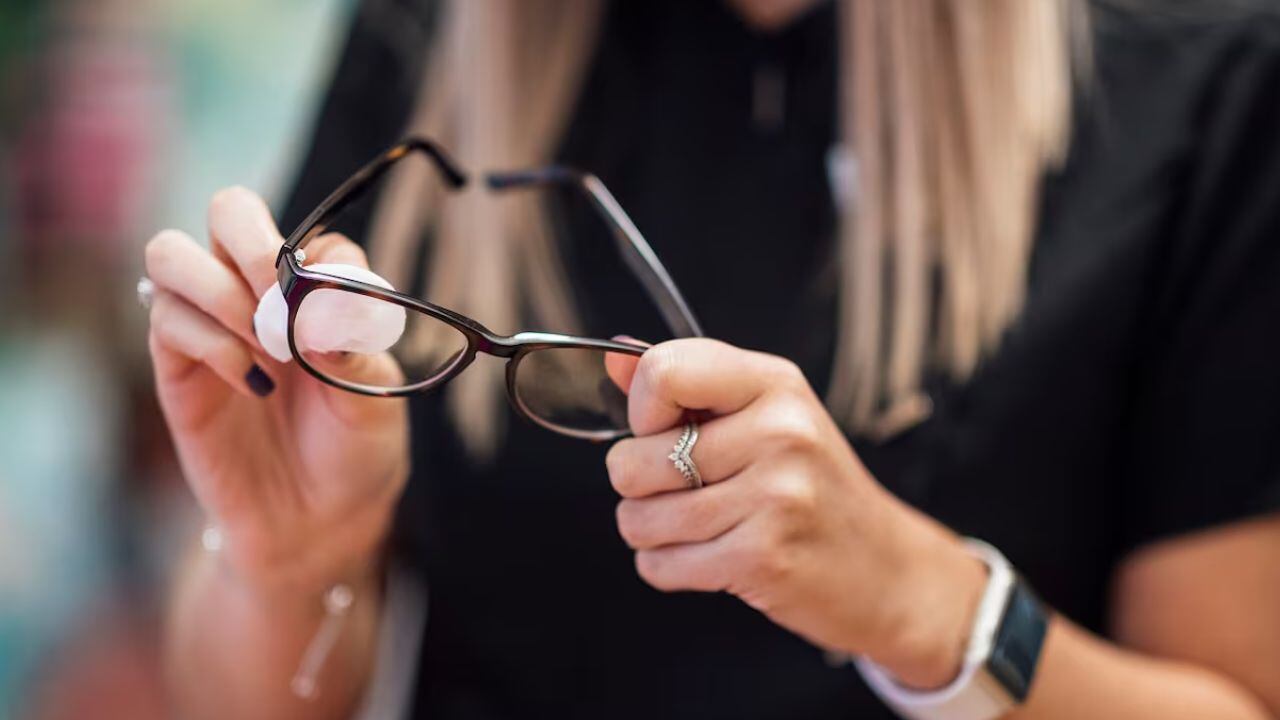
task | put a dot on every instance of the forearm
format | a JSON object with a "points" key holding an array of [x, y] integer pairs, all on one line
{"points": [[1082, 676], [232, 652], [1079, 675]]}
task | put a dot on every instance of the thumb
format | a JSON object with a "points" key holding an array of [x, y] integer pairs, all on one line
{"points": [[622, 368]]}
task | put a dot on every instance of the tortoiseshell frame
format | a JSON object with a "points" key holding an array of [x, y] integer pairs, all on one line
{"points": [[296, 281]]}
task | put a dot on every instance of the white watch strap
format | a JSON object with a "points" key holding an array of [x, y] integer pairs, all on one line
{"points": [[974, 694]]}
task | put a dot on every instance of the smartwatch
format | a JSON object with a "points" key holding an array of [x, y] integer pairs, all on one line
{"points": [[999, 661]]}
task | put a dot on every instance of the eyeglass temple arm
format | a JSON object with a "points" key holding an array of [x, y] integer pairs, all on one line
{"points": [[635, 250], [318, 221]]}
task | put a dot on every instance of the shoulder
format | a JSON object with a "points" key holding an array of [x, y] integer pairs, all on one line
{"points": [[1183, 81], [1202, 21], [1175, 163], [1207, 75], [1197, 40]]}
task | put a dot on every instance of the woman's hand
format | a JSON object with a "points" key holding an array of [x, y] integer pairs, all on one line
{"points": [[300, 477], [789, 520]]}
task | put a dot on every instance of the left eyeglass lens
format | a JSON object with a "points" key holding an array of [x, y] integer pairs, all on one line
{"points": [[569, 390], [374, 343]]}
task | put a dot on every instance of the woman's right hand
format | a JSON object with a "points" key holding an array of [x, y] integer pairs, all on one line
{"points": [[300, 477]]}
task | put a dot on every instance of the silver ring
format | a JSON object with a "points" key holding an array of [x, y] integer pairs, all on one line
{"points": [[146, 292], [682, 456]]}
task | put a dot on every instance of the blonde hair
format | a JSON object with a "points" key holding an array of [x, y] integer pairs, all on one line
{"points": [[953, 109]]}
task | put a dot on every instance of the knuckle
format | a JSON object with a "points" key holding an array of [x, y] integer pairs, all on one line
{"points": [[161, 313], [257, 257], [651, 568], [792, 494], [225, 352], [160, 251], [351, 254], [349, 248], [791, 424], [698, 512], [229, 197], [659, 366], [619, 464], [629, 522], [787, 374]]}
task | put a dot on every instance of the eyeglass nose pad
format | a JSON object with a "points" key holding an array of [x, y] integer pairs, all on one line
{"points": [[512, 397]]}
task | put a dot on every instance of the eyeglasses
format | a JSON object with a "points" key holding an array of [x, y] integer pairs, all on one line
{"points": [[557, 381]]}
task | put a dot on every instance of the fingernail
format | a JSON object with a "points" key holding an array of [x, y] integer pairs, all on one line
{"points": [[629, 339], [259, 382]]}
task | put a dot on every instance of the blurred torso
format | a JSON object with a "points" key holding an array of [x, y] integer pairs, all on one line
{"points": [[535, 608]]}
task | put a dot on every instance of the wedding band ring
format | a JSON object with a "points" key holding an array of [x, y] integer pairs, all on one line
{"points": [[682, 456], [146, 292]]}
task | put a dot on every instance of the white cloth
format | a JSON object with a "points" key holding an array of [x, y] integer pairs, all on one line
{"points": [[330, 320]]}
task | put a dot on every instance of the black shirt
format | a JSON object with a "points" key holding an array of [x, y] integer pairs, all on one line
{"points": [[1136, 398]]}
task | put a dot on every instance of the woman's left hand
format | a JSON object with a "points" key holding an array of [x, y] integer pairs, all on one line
{"points": [[789, 519]]}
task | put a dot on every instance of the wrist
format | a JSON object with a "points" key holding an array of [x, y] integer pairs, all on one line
{"points": [[931, 610], [291, 632], [300, 567]]}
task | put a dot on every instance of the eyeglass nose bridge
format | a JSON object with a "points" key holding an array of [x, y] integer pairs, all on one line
{"points": [[508, 347], [496, 345]]}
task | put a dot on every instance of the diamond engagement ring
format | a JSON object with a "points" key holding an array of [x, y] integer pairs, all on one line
{"points": [[681, 456]]}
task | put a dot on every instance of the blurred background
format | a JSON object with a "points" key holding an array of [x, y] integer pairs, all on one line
{"points": [[117, 118]]}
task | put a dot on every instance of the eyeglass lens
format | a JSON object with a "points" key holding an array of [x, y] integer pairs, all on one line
{"points": [[569, 389], [374, 343]]}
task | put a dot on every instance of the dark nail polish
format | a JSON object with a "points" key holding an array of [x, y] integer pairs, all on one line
{"points": [[259, 382]]}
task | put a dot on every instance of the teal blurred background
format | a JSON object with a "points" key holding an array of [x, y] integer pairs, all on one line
{"points": [[117, 118]]}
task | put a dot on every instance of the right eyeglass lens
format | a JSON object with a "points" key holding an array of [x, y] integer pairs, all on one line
{"points": [[374, 343], [568, 390]]}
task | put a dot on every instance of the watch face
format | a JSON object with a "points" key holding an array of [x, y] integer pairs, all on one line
{"points": [[1016, 650]]}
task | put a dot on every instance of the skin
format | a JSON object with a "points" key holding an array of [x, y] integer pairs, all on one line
{"points": [[769, 15], [792, 524], [303, 482]]}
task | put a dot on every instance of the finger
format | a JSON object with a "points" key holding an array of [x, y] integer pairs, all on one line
{"points": [[188, 390], [641, 466], [699, 374], [241, 224], [336, 248], [622, 368], [682, 517], [187, 331], [692, 566], [378, 370], [357, 412], [176, 263]]}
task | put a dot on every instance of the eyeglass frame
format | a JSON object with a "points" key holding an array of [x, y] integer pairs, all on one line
{"points": [[296, 281]]}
